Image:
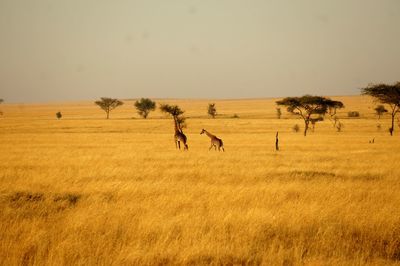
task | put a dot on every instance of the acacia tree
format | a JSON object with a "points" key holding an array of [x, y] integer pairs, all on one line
{"points": [[332, 110], [380, 110], [108, 104], [212, 111], [144, 106], [386, 94], [309, 107], [176, 113]]}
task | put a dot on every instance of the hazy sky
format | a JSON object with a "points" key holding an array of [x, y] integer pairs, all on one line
{"points": [[85, 49]]}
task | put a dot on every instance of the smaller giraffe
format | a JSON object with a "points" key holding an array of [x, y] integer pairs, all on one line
{"points": [[179, 136], [215, 142]]}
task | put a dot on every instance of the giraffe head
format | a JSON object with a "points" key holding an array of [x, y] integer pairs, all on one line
{"points": [[202, 131]]}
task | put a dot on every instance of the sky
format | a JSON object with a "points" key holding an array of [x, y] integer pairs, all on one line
{"points": [[65, 50]]}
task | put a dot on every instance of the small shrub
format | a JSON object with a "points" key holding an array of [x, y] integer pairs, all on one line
{"points": [[278, 113], [353, 114], [339, 127], [235, 116], [58, 115], [296, 128], [70, 198], [26, 196]]}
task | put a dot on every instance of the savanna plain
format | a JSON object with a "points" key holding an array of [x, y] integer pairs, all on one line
{"points": [[84, 190]]}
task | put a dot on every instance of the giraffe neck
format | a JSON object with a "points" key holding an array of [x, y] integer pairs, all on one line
{"points": [[209, 134], [176, 125]]}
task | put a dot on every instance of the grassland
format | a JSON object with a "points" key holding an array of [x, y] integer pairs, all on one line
{"points": [[88, 191]]}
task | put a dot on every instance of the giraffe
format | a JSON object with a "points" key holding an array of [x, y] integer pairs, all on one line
{"points": [[179, 136], [215, 142]]}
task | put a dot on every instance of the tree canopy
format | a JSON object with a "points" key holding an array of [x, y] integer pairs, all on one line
{"points": [[212, 111], [386, 94], [308, 106], [176, 112], [108, 104], [144, 106]]}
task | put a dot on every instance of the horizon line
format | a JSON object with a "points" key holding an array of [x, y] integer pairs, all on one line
{"points": [[171, 99]]}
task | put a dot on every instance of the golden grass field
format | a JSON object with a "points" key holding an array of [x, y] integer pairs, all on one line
{"points": [[88, 191]]}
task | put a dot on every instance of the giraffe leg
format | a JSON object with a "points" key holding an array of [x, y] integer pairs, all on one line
{"points": [[210, 147], [223, 149], [176, 142], [179, 144]]}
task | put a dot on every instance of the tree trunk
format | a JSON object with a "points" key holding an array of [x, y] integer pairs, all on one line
{"points": [[276, 142], [108, 114], [392, 128], [306, 127]]}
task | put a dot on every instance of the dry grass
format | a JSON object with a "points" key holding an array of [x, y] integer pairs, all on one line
{"points": [[87, 191]]}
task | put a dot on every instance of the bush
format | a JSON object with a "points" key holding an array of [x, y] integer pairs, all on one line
{"points": [[353, 114], [212, 111], [144, 106], [58, 115], [296, 128], [235, 116]]}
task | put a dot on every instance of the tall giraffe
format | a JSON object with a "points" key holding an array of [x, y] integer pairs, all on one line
{"points": [[179, 136], [215, 142]]}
